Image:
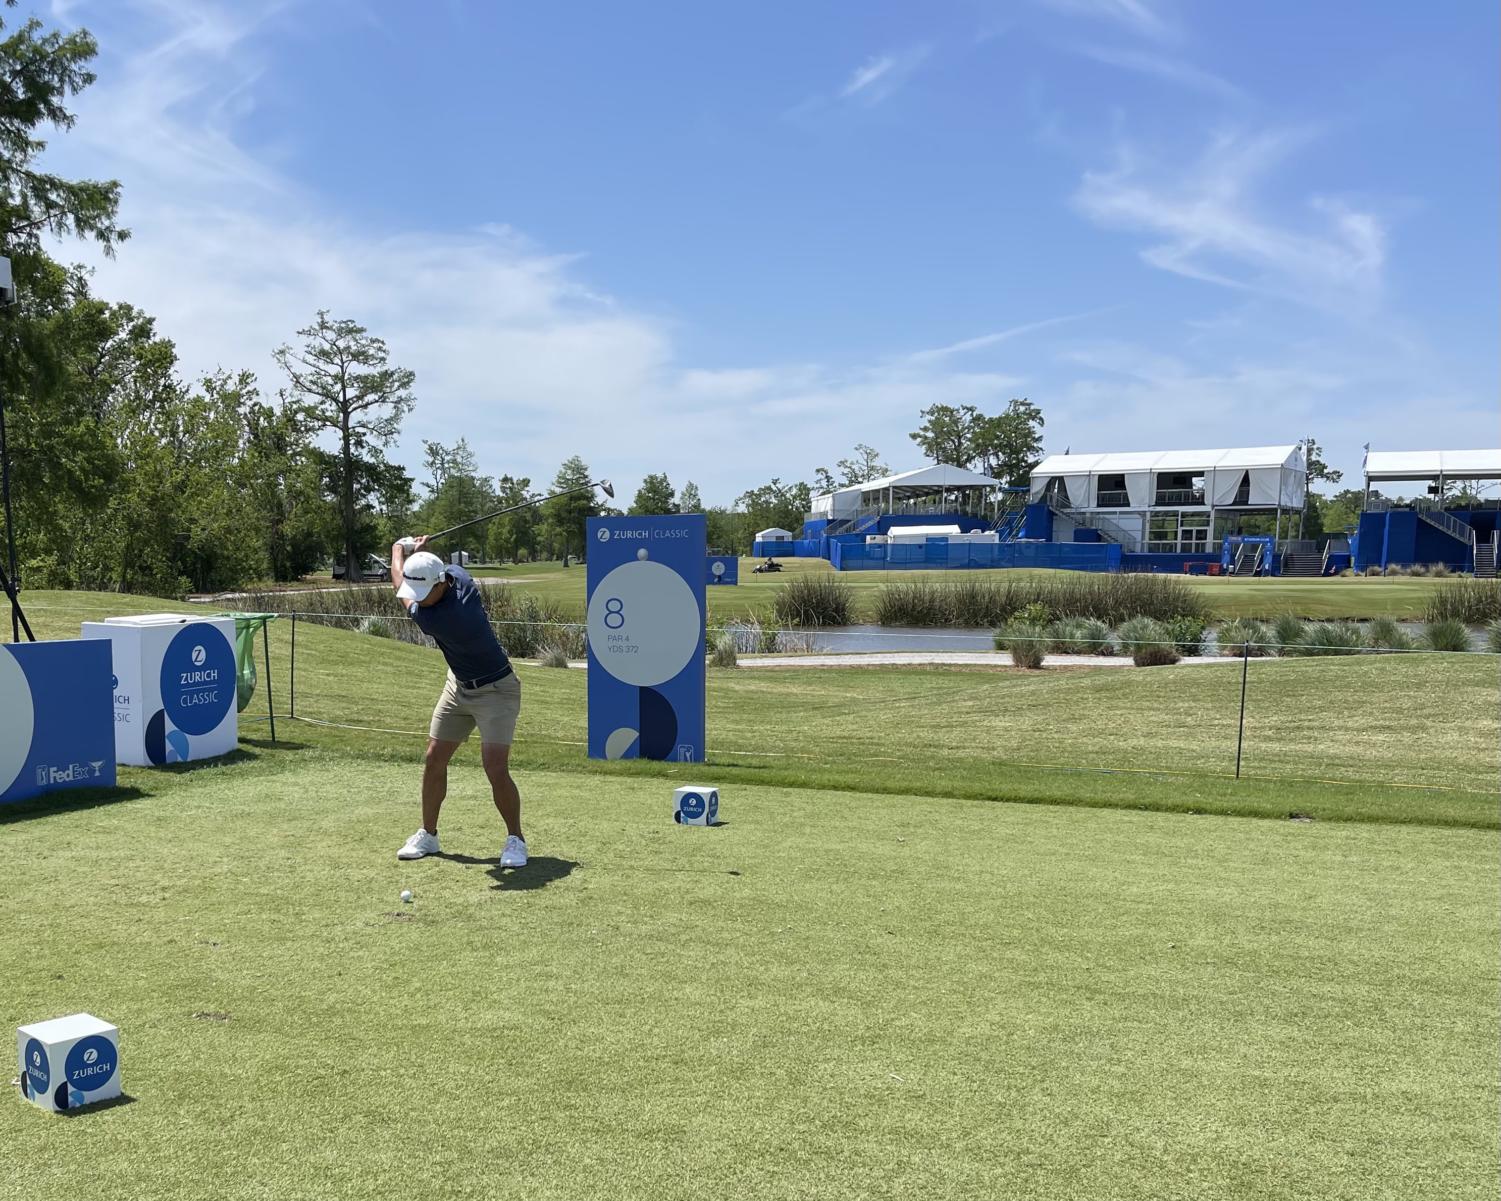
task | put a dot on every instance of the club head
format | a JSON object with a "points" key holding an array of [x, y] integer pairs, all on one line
{"points": [[607, 488]]}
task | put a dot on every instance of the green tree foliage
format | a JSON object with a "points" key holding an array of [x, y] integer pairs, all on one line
{"points": [[39, 71], [774, 504], [1009, 445], [1318, 470], [947, 434], [564, 518], [514, 536], [1006, 446], [865, 465], [689, 501], [654, 496], [341, 380], [456, 493]]}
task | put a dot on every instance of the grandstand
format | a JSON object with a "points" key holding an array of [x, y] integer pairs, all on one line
{"points": [[1236, 510], [1452, 521]]}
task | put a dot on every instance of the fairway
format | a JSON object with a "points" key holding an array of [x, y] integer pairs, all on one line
{"points": [[833, 995], [871, 981], [1352, 597]]}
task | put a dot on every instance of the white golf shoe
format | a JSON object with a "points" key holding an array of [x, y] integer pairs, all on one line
{"points": [[420, 844], [514, 854]]}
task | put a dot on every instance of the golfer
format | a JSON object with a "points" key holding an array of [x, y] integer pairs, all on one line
{"points": [[482, 690]]}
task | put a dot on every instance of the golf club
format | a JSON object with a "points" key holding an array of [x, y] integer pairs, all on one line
{"points": [[603, 485]]}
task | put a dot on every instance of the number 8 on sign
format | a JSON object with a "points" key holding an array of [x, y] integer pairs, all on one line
{"points": [[665, 623]]}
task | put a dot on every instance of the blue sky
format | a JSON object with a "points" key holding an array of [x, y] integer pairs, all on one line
{"points": [[729, 242]]}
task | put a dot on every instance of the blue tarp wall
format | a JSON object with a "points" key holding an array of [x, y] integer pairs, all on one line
{"points": [[1038, 522], [1398, 538], [797, 548], [941, 555]]}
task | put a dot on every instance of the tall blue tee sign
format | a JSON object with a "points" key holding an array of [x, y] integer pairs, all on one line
{"points": [[646, 637]]}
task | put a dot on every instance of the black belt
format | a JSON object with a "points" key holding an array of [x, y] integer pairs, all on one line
{"points": [[471, 685]]}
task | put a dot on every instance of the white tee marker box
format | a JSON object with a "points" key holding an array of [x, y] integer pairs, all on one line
{"points": [[695, 805], [69, 1062]]}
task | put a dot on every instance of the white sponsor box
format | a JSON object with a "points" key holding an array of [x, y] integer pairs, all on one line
{"points": [[695, 805], [174, 686], [69, 1062]]}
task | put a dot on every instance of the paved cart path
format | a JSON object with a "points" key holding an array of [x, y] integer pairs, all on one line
{"points": [[939, 659]]}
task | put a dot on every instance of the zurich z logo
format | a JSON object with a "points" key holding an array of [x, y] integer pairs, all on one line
{"points": [[199, 655], [603, 535]]}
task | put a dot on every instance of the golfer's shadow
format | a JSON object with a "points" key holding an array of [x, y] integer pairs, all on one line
{"points": [[539, 872]]}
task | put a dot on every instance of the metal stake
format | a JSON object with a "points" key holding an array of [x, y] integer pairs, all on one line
{"points": [[1245, 667]]}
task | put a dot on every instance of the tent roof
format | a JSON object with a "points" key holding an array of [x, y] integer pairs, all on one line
{"points": [[773, 534], [1171, 460], [939, 475], [1425, 464]]}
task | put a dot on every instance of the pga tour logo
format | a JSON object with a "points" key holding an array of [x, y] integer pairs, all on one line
{"points": [[71, 774]]}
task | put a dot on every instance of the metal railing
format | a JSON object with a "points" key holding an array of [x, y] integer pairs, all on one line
{"points": [[1112, 530], [1113, 498], [1179, 496], [1450, 524]]}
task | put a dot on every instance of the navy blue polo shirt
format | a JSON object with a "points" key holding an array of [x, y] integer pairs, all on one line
{"points": [[460, 626]]}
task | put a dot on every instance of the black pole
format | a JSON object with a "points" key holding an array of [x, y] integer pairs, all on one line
{"points": [[10, 525], [17, 617], [1245, 667], [293, 688], [266, 645]]}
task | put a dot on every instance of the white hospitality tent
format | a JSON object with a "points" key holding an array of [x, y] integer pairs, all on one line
{"points": [[1249, 477], [891, 490], [1439, 466], [774, 534]]}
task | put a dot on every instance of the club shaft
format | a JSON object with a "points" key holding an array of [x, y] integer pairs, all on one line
{"points": [[541, 500]]}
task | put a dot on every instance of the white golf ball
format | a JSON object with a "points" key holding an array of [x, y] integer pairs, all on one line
{"points": [[406, 895]]}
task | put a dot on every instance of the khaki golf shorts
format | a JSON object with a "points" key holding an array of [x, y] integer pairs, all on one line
{"points": [[493, 708]]}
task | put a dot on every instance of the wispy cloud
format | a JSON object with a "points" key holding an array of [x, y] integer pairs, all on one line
{"points": [[987, 340], [881, 75], [513, 347], [1140, 17], [1164, 67], [1208, 226]]}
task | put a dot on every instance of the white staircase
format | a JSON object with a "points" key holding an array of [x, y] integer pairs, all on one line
{"points": [[1485, 559]]}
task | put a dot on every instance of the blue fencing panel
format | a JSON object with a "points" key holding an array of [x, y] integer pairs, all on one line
{"points": [[764, 550], [942, 555], [808, 548]]}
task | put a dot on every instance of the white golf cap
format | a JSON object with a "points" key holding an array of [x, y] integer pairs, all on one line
{"points": [[419, 573]]}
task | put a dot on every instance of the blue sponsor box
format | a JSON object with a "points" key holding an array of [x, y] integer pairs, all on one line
{"points": [[56, 724], [646, 637], [723, 569], [69, 1062]]}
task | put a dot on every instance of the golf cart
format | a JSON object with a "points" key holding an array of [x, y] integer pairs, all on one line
{"points": [[770, 565]]}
